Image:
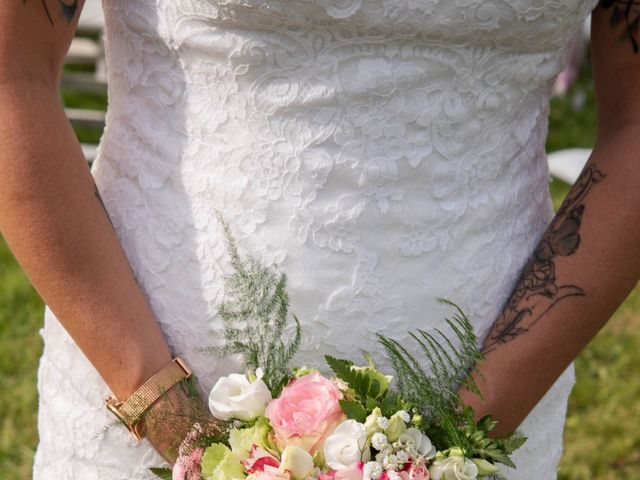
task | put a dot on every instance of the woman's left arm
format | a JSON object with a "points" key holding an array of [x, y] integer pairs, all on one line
{"points": [[588, 259]]}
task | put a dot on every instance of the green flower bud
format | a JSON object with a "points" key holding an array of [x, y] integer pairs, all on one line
{"points": [[455, 452], [371, 423], [302, 371], [416, 420], [396, 427], [484, 467]]}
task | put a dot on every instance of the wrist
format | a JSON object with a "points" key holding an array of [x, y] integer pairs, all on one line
{"points": [[131, 410], [137, 370], [168, 422]]}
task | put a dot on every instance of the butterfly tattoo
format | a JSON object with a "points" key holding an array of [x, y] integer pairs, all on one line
{"points": [[625, 16], [68, 9], [538, 289]]}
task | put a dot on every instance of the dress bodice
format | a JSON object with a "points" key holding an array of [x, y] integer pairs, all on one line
{"points": [[370, 149]]}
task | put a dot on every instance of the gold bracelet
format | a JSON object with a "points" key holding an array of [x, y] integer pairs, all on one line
{"points": [[131, 410]]}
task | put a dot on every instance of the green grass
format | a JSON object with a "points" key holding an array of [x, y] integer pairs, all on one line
{"points": [[20, 348], [602, 439]]}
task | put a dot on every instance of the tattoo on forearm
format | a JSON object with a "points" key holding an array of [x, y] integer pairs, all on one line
{"points": [[99, 197], [625, 13], [538, 290], [68, 9]]}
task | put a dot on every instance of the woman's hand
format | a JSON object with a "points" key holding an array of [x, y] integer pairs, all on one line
{"points": [[172, 417]]}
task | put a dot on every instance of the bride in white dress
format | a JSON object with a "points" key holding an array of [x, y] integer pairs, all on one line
{"points": [[381, 153]]}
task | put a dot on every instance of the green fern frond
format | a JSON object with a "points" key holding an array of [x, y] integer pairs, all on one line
{"points": [[255, 315], [448, 364], [449, 360], [162, 473], [495, 476]]}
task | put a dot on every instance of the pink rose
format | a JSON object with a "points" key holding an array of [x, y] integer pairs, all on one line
{"points": [[418, 472], [306, 412], [415, 472]]}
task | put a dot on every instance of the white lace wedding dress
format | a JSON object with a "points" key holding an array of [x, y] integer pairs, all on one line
{"points": [[380, 152]]}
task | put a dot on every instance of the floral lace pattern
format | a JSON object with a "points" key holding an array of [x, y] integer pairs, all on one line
{"points": [[379, 152]]}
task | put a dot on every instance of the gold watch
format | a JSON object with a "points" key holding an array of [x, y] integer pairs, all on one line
{"points": [[130, 411]]}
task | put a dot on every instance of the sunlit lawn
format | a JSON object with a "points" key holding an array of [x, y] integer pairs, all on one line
{"points": [[603, 430]]}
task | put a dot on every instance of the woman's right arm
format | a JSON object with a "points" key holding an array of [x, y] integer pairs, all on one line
{"points": [[51, 214]]}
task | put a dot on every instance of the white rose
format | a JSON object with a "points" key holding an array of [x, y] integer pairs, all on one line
{"points": [[417, 440], [236, 397], [297, 462], [346, 445], [453, 468]]}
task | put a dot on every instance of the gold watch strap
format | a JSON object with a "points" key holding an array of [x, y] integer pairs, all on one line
{"points": [[130, 411]]}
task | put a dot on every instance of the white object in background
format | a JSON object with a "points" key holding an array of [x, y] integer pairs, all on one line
{"points": [[566, 165], [92, 15]]}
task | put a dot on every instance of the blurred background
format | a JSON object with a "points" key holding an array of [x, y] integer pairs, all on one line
{"points": [[602, 437]]}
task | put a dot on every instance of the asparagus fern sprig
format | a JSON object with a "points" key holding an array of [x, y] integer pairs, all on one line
{"points": [[255, 315], [431, 384]]}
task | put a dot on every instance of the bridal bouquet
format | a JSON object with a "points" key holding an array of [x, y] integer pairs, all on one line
{"points": [[279, 423]]}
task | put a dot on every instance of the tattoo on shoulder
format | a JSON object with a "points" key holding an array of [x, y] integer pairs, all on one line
{"points": [[67, 9], [538, 290], [625, 14]]}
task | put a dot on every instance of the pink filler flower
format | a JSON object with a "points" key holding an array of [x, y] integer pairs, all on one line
{"points": [[188, 467]]}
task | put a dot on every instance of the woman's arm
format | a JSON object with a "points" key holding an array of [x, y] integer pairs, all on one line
{"points": [[51, 214], [587, 261]]}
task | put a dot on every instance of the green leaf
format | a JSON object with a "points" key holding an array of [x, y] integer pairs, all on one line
{"points": [[163, 473], [353, 410], [504, 459], [374, 389], [364, 381], [487, 423], [512, 442], [364, 384], [341, 367], [370, 403], [389, 404]]}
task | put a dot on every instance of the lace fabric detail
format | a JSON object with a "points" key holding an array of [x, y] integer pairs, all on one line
{"points": [[381, 153]]}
